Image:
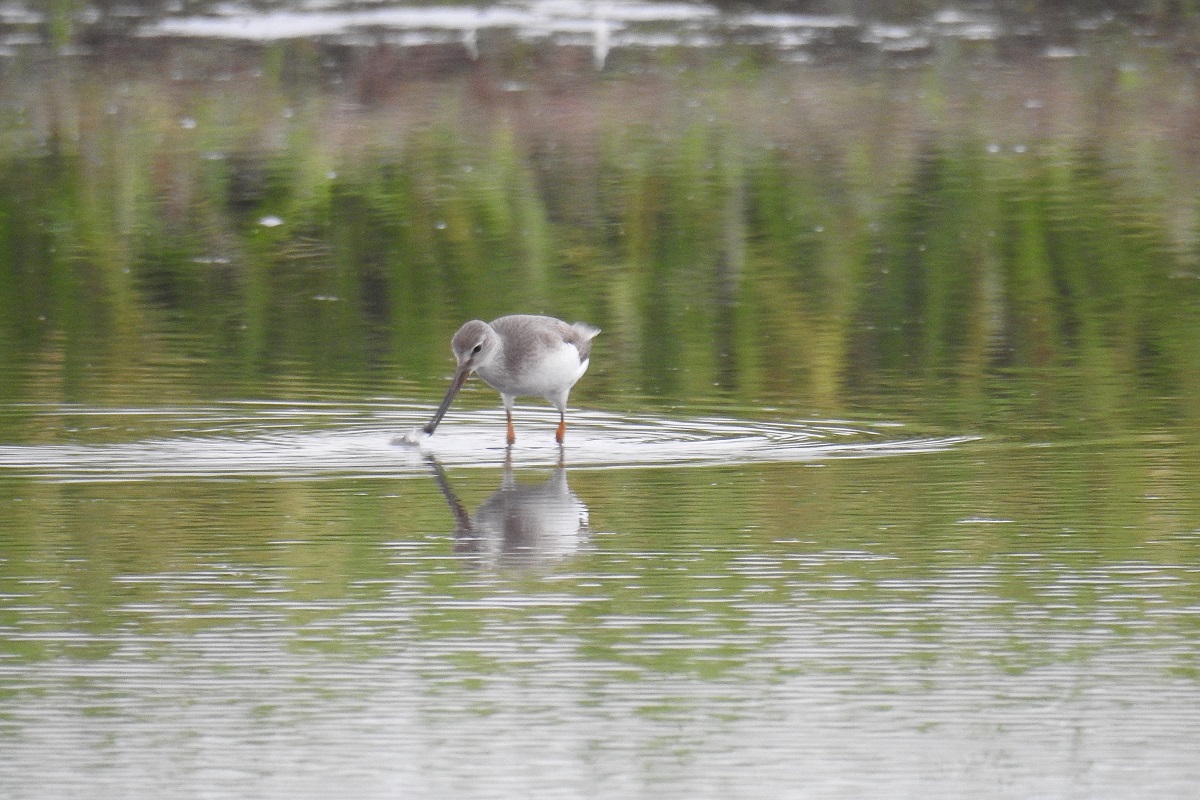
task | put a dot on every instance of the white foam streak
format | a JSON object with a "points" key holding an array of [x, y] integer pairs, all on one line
{"points": [[545, 19], [276, 442]]}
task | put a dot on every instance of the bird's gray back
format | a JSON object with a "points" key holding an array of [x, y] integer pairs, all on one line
{"points": [[527, 334]]}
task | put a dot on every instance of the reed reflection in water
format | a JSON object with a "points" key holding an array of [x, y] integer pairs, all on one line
{"points": [[798, 235]]}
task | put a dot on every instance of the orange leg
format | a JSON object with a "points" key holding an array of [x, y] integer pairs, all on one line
{"points": [[512, 434], [562, 429]]}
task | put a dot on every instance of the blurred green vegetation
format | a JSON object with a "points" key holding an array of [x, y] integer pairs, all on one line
{"points": [[275, 222]]}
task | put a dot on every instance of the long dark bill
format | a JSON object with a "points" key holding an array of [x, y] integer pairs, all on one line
{"points": [[460, 377]]}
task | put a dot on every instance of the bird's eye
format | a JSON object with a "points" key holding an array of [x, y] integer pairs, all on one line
{"points": [[477, 348]]}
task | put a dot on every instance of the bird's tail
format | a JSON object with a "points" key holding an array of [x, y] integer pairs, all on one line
{"points": [[589, 331]]}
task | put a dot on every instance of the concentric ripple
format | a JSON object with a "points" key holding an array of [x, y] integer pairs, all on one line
{"points": [[316, 440]]}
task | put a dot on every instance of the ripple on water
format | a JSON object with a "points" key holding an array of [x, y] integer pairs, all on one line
{"points": [[313, 441]]}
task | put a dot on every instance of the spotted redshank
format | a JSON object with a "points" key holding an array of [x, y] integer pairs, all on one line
{"points": [[522, 355]]}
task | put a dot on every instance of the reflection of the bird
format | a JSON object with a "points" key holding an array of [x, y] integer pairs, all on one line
{"points": [[520, 523]]}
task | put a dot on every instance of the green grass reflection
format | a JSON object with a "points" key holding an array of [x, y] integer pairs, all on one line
{"points": [[808, 237]]}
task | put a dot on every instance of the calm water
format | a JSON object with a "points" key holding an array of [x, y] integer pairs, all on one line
{"points": [[809, 610], [882, 482]]}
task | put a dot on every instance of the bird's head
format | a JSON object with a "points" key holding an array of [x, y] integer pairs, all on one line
{"points": [[475, 343]]}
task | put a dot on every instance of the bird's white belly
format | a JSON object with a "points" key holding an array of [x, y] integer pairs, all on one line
{"points": [[553, 374]]}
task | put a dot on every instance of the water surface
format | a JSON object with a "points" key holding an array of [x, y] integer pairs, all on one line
{"points": [[943, 617], [881, 483]]}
